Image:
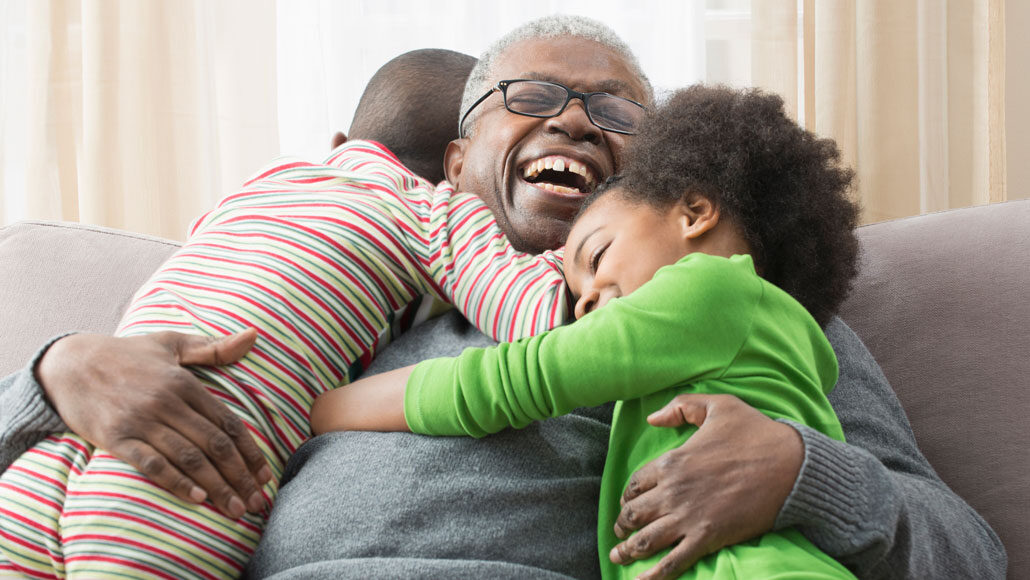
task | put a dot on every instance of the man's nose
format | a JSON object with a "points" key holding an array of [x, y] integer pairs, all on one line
{"points": [[575, 123]]}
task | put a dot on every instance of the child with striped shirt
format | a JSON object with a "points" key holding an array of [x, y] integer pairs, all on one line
{"points": [[327, 261]]}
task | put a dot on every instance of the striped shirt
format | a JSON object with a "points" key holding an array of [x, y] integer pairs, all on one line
{"points": [[328, 261]]}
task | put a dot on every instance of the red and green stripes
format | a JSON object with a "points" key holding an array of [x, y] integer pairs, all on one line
{"points": [[324, 260]]}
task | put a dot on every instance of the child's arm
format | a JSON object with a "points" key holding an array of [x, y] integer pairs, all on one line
{"points": [[451, 246], [633, 344], [375, 403], [685, 327], [505, 293]]}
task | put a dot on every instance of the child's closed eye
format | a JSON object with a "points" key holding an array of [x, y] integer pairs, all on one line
{"points": [[595, 258]]}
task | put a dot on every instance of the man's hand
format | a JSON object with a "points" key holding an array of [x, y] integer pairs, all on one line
{"points": [[725, 485], [132, 397]]}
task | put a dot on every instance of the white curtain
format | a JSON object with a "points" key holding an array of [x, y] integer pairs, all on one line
{"points": [[328, 49], [133, 114], [913, 92], [140, 114]]}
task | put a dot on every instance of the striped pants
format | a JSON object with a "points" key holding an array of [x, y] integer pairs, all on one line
{"points": [[323, 298]]}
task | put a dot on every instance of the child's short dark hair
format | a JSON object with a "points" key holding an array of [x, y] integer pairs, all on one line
{"points": [[784, 187], [411, 105]]}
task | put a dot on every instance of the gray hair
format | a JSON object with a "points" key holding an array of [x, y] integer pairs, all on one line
{"points": [[554, 26]]}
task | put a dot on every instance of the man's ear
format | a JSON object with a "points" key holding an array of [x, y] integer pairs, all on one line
{"points": [[453, 160], [339, 139], [698, 215]]}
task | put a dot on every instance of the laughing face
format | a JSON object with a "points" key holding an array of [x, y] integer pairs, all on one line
{"points": [[533, 173]]}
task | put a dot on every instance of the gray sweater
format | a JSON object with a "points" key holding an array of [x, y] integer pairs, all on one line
{"points": [[523, 504]]}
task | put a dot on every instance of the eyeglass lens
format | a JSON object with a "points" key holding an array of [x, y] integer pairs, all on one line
{"points": [[542, 99]]}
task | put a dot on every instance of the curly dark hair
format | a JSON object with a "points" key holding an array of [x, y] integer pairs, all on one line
{"points": [[784, 187]]}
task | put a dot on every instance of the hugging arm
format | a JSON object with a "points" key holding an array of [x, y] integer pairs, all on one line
{"points": [[453, 248], [131, 397], [874, 503], [375, 403], [484, 391]]}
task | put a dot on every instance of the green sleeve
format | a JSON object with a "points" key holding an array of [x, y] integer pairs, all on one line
{"points": [[685, 325]]}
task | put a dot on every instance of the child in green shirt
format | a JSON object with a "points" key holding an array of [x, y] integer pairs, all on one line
{"points": [[727, 241]]}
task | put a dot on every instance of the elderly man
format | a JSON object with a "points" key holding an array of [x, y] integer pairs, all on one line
{"points": [[523, 503]]}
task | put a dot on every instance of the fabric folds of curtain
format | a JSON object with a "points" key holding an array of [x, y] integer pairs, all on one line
{"points": [[139, 115], [913, 93]]}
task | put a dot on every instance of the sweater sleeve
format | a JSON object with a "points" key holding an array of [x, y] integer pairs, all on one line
{"points": [[875, 503], [704, 305], [26, 417]]}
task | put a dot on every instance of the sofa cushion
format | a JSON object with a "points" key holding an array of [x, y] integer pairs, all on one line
{"points": [[942, 303], [64, 276]]}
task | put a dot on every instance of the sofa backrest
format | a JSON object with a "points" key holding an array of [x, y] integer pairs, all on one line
{"points": [[943, 303], [58, 277]]}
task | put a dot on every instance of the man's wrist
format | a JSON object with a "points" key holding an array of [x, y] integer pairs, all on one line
{"points": [[828, 483], [25, 414], [836, 500], [37, 362]]}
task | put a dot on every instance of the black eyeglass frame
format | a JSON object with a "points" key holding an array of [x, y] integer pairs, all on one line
{"points": [[570, 94]]}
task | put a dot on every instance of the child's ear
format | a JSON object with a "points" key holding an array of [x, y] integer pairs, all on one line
{"points": [[453, 159], [698, 215]]}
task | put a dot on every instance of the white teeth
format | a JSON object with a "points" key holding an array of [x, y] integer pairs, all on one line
{"points": [[580, 169], [557, 164], [559, 188]]}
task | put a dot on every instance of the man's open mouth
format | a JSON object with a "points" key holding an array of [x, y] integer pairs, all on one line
{"points": [[561, 175]]}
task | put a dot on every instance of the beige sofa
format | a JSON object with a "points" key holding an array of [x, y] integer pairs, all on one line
{"points": [[942, 301]]}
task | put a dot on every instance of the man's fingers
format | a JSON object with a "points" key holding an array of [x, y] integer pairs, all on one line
{"points": [[191, 460], [192, 349], [158, 469], [640, 482], [235, 347], [635, 515], [130, 396], [227, 442], [678, 560], [647, 542], [684, 409]]}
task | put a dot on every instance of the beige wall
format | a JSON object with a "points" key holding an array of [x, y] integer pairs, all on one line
{"points": [[1017, 97]]}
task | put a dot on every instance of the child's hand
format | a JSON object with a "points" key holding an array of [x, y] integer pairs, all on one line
{"points": [[725, 485]]}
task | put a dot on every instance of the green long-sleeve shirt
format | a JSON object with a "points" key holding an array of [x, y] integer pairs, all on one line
{"points": [[703, 325]]}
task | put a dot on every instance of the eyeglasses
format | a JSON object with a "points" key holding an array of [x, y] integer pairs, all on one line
{"points": [[546, 99]]}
